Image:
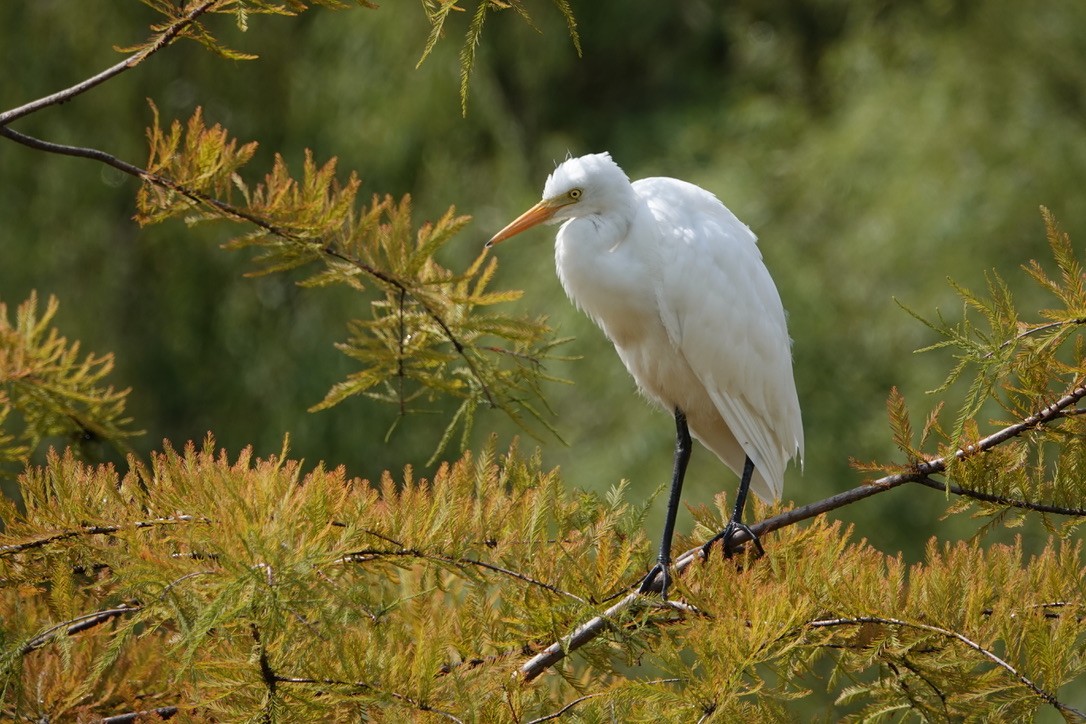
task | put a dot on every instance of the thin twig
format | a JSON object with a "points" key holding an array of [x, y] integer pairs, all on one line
{"points": [[586, 697], [918, 673], [163, 39], [567, 707], [267, 673], [370, 554], [1035, 330], [421, 706], [1001, 500], [591, 629], [1025, 681], [13, 548]]}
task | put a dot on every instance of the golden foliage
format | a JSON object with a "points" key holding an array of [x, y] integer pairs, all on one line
{"points": [[430, 333], [410, 594], [51, 388], [239, 588]]}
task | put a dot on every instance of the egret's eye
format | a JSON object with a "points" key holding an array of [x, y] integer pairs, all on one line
{"points": [[575, 194]]}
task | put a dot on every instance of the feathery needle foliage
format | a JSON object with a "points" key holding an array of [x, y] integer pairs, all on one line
{"points": [[53, 391], [1026, 361], [429, 334], [438, 11], [308, 594], [1019, 367], [428, 337], [182, 20], [233, 589], [215, 589]]}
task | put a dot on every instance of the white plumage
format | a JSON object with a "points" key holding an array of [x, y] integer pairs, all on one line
{"points": [[677, 283]]}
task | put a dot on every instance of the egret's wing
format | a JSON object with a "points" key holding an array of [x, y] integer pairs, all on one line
{"points": [[723, 313]]}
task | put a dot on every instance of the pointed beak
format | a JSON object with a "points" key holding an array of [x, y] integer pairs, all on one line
{"points": [[534, 216]]}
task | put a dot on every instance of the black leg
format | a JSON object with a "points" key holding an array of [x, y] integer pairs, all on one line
{"points": [[682, 457], [736, 523]]}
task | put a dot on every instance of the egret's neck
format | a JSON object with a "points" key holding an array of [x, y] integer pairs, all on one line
{"points": [[603, 261]]}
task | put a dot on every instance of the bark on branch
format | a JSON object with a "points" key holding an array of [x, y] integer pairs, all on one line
{"points": [[919, 473], [161, 40]]}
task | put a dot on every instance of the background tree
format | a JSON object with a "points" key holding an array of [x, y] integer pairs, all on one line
{"points": [[881, 127]]}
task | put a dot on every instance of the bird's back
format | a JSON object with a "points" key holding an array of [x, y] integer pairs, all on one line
{"points": [[731, 371]]}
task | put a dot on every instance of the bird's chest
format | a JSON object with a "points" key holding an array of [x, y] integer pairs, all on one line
{"points": [[617, 287], [611, 282]]}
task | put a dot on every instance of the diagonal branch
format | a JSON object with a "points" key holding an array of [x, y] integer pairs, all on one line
{"points": [[1022, 679], [75, 625], [917, 474], [579, 637], [13, 548], [261, 223], [161, 40], [364, 555]]}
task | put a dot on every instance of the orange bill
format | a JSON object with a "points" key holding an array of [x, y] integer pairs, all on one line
{"points": [[534, 216]]}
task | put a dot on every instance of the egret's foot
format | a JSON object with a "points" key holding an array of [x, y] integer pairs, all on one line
{"points": [[725, 537], [648, 582]]}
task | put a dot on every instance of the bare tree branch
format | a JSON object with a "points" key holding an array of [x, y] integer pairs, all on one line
{"points": [[75, 625], [579, 637], [161, 40], [919, 472], [13, 548]]}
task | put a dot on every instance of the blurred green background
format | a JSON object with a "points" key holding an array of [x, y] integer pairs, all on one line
{"points": [[875, 147]]}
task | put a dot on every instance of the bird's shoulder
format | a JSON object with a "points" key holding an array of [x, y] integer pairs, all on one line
{"points": [[688, 214]]}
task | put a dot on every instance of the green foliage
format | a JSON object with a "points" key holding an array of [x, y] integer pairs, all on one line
{"points": [[438, 11], [1020, 367], [308, 594], [429, 334], [184, 20], [53, 390], [252, 588]]}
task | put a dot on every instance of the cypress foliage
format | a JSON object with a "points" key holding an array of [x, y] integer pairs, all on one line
{"points": [[211, 586]]}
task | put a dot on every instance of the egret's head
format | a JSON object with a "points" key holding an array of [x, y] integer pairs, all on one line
{"points": [[578, 187]]}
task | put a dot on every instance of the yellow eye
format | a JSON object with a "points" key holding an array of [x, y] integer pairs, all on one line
{"points": [[575, 194]]}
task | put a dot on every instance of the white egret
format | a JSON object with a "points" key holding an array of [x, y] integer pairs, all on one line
{"points": [[677, 283]]}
